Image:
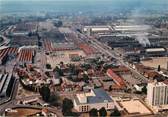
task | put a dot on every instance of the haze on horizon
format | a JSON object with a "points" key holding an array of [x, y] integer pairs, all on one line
{"points": [[13, 6]]}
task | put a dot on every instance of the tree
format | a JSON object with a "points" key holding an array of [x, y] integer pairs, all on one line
{"points": [[110, 88], [85, 78], [144, 90], [59, 71], [61, 63], [45, 93], [86, 66], [102, 112], [48, 74], [72, 69], [93, 112], [54, 99], [115, 113], [48, 66], [67, 107], [159, 68]]}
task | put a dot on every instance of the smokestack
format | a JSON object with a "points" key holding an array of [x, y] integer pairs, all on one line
{"points": [[143, 40]]}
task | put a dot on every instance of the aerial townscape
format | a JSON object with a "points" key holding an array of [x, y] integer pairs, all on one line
{"points": [[84, 59]]}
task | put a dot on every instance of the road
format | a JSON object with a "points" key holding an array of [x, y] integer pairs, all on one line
{"points": [[12, 100], [5, 42]]}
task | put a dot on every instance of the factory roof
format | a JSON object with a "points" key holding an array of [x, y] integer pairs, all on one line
{"points": [[155, 50], [7, 51], [26, 55], [86, 48], [131, 27], [52, 46], [97, 28]]}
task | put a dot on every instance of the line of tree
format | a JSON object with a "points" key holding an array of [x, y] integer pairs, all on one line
{"points": [[67, 108], [45, 93], [47, 96], [103, 113], [59, 71], [115, 113], [94, 112]]}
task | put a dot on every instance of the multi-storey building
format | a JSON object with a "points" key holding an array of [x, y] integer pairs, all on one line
{"points": [[157, 95]]}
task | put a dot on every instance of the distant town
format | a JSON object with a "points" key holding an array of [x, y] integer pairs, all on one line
{"points": [[84, 66]]}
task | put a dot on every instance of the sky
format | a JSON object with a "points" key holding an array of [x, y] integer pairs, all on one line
{"points": [[78, 5], [147, 1], [92, 0]]}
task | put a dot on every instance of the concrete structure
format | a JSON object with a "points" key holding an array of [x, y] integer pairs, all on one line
{"points": [[157, 95], [96, 98], [133, 107]]}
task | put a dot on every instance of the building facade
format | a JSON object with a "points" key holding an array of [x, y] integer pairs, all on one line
{"points": [[96, 98], [157, 94]]}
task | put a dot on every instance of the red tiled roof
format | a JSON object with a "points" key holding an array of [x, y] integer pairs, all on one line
{"points": [[48, 45], [118, 80], [86, 48], [6, 51], [26, 55], [121, 69]]}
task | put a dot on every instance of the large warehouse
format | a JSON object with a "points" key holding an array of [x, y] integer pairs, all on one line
{"points": [[6, 82], [154, 52], [131, 28]]}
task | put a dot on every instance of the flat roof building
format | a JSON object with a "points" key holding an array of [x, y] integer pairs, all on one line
{"points": [[132, 28], [96, 98], [154, 52], [97, 29]]}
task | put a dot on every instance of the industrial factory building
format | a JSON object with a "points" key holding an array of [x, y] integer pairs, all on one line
{"points": [[26, 55], [154, 52], [120, 41], [97, 29], [20, 40], [131, 28], [7, 54], [6, 83]]}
